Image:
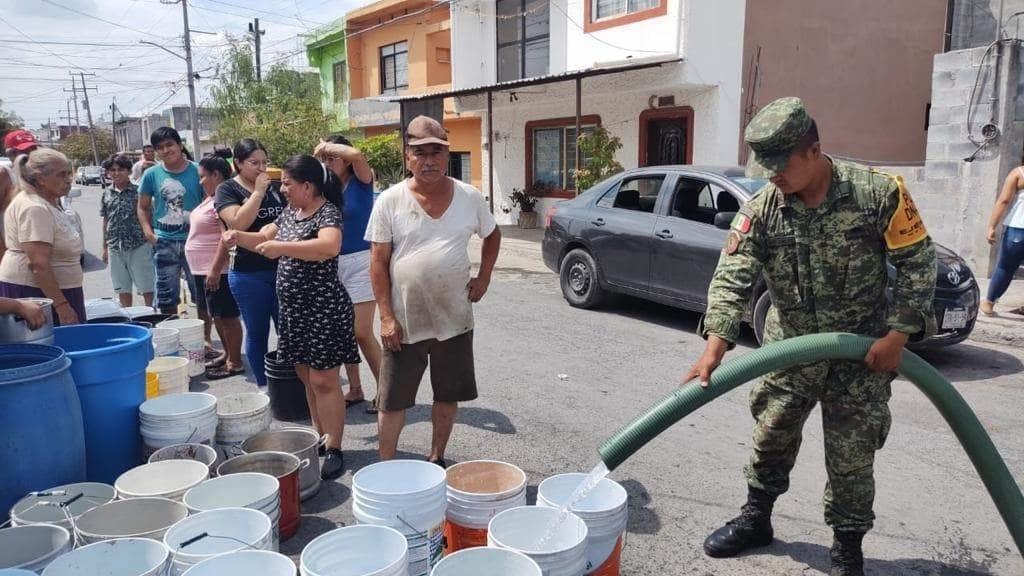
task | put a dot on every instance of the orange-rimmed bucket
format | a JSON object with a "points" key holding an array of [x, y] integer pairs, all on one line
{"points": [[477, 491], [605, 512]]}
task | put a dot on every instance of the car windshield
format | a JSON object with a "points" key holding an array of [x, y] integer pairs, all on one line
{"points": [[92, 170], [751, 184]]}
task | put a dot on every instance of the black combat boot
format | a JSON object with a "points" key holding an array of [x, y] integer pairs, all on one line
{"points": [[847, 556], [751, 529]]}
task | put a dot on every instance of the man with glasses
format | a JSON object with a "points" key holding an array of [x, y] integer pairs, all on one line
{"points": [[167, 193]]}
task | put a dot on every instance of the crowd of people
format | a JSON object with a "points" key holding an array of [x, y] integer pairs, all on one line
{"points": [[306, 246]]}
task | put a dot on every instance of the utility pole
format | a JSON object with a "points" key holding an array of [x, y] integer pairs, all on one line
{"points": [[74, 96], [88, 112], [193, 116], [49, 132], [254, 29]]}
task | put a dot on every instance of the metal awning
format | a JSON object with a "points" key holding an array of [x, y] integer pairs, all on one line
{"points": [[596, 70]]}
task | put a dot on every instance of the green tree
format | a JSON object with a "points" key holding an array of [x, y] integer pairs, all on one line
{"points": [[78, 146], [8, 121], [283, 111], [384, 154], [598, 148]]}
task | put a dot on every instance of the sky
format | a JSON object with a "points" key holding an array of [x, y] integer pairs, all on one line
{"points": [[42, 41]]}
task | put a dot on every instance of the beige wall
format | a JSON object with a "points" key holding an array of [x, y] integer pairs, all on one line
{"points": [[862, 66]]}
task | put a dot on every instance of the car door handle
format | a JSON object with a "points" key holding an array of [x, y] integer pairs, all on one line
{"points": [[597, 222], [663, 234]]}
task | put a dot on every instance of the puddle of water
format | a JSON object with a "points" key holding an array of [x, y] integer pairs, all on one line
{"points": [[582, 491]]}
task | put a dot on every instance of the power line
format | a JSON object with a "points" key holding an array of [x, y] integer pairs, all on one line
{"points": [[246, 16], [251, 9], [119, 25]]}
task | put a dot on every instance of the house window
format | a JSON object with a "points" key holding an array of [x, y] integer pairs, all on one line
{"points": [[554, 155], [613, 8], [394, 67], [523, 38], [459, 166], [339, 81]]}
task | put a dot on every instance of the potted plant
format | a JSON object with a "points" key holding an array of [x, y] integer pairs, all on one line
{"points": [[526, 201]]}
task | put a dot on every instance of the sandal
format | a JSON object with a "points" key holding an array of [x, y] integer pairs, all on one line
{"points": [[217, 362], [372, 408], [220, 372], [351, 403], [211, 353]]}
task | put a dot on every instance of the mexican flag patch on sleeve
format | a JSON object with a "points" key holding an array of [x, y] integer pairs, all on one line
{"points": [[741, 223]]}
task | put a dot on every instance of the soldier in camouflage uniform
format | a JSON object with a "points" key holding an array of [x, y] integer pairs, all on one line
{"points": [[820, 234]]}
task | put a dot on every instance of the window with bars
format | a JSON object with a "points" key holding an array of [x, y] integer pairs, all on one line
{"points": [[340, 73], [554, 155], [611, 8], [459, 166], [523, 38], [394, 67]]}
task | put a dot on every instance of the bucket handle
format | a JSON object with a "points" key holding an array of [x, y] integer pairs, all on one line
{"points": [[304, 463], [419, 533]]}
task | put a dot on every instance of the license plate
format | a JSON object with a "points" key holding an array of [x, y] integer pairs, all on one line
{"points": [[954, 318]]}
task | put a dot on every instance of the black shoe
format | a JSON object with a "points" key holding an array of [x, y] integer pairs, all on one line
{"points": [[334, 464], [751, 529], [440, 462], [847, 554]]}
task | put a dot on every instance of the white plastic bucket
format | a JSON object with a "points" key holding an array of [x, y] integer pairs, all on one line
{"points": [[226, 530], [564, 554], [17, 572], [191, 341], [165, 341], [242, 490], [134, 312], [490, 561], [135, 518], [123, 557], [198, 452], [33, 510], [33, 547], [190, 417], [244, 563], [477, 490], [356, 551], [165, 479], [172, 372], [102, 308], [409, 496], [605, 512], [239, 417]]}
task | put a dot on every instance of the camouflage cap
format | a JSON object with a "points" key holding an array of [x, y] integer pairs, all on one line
{"points": [[773, 134]]}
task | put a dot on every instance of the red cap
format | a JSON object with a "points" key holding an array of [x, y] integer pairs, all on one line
{"points": [[20, 140]]}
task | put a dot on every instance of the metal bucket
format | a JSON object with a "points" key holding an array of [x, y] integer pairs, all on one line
{"points": [[283, 466], [14, 330], [302, 443]]}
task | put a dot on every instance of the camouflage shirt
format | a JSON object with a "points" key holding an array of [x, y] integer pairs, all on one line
{"points": [[825, 267]]}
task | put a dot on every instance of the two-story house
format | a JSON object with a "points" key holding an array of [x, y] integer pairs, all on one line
{"points": [[403, 47], [676, 80], [325, 50]]}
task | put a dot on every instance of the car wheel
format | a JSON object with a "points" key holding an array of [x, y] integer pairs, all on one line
{"points": [[579, 279], [760, 315]]}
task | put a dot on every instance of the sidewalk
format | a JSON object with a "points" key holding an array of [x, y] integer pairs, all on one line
{"points": [[1006, 327], [520, 250]]}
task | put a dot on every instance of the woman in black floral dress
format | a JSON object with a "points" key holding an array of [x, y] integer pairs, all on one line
{"points": [[317, 331]]}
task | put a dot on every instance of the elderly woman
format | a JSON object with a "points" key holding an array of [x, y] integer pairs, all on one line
{"points": [[316, 333], [44, 246]]}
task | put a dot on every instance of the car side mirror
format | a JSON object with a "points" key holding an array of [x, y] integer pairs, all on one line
{"points": [[724, 219], [75, 193]]}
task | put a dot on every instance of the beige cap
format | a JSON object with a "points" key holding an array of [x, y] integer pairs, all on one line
{"points": [[425, 130]]}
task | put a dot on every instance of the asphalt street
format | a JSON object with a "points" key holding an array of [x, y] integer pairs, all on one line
{"points": [[556, 381]]}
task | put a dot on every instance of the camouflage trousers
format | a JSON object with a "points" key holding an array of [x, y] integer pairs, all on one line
{"points": [[855, 418]]}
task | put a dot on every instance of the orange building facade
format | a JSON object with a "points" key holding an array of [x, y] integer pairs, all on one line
{"points": [[403, 47]]}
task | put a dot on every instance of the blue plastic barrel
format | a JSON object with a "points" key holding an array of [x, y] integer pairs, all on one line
{"points": [[41, 439], [108, 363]]}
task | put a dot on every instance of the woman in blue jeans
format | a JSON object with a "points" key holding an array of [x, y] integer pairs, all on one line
{"points": [[247, 203], [1008, 211]]}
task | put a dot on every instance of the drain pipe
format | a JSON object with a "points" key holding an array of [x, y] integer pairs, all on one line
{"points": [[994, 474]]}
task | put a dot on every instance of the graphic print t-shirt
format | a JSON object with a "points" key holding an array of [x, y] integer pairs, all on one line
{"points": [[174, 196]]}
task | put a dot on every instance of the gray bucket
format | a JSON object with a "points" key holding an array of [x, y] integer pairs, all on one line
{"points": [[84, 496], [33, 547], [134, 518]]}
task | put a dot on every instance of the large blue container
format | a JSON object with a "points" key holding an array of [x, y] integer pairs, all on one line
{"points": [[41, 439], [108, 363]]}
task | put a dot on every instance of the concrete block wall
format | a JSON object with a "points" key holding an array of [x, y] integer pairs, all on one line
{"points": [[954, 195]]}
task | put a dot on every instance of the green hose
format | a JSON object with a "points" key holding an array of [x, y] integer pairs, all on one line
{"points": [[834, 346]]}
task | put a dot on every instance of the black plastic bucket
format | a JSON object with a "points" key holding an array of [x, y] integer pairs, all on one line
{"points": [[287, 394]]}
